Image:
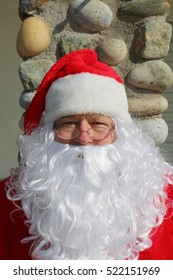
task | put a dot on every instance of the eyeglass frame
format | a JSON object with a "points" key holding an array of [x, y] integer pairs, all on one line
{"points": [[80, 131]]}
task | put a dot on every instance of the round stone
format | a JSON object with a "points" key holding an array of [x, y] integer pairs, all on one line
{"points": [[154, 75], [112, 51], [33, 37], [143, 8], [156, 128], [147, 105], [92, 15], [26, 98]]}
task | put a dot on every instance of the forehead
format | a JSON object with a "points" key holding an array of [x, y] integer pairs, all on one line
{"points": [[88, 117]]}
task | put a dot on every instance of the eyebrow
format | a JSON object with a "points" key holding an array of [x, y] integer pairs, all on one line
{"points": [[66, 117], [96, 117]]}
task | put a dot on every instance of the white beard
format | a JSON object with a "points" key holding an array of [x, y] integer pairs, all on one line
{"points": [[90, 202]]}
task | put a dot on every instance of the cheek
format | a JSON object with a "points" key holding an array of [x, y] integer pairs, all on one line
{"points": [[112, 137], [60, 140], [109, 140]]}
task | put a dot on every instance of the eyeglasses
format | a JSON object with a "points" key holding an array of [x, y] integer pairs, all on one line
{"points": [[96, 132]]}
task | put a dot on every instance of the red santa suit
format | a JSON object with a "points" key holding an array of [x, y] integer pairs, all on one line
{"points": [[13, 230]]}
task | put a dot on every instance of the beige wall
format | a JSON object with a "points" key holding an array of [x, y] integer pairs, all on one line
{"points": [[10, 86], [170, 17]]}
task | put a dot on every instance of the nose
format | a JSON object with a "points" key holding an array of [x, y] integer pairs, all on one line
{"points": [[84, 138]]}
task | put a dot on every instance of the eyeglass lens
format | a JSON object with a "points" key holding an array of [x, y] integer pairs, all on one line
{"points": [[96, 133]]}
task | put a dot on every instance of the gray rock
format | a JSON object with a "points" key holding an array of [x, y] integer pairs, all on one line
{"points": [[156, 128], [31, 72], [29, 5], [154, 75], [93, 15], [153, 39], [69, 44], [143, 8]]}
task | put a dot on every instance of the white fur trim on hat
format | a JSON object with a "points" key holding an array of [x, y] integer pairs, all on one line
{"points": [[86, 93]]}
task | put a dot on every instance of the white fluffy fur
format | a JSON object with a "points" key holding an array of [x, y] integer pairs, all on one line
{"points": [[79, 94], [90, 202]]}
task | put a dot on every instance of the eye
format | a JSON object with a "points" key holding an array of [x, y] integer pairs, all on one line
{"points": [[99, 124], [65, 124], [69, 124]]}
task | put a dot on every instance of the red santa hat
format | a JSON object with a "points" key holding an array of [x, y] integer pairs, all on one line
{"points": [[77, 84]]}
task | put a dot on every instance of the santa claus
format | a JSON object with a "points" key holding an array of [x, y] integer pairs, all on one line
{"points": [[90, 184]]}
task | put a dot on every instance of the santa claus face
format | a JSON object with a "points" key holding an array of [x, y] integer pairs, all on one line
{"points": [[86, 130]]}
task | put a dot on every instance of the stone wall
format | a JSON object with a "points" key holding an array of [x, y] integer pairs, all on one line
{"points": [[132, 36]]}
